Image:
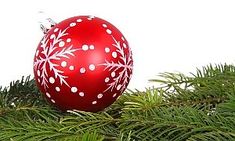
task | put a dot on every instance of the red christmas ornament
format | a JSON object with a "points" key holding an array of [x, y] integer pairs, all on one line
{"points": [[83, 63]]}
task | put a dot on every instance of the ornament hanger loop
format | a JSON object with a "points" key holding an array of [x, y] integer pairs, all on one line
{"points": [[46, 23]]}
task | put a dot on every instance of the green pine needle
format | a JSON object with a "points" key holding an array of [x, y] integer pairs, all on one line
{"points": [[199, 107]]}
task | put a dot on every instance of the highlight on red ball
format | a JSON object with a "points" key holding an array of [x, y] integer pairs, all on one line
{"points": [[83, 63]]}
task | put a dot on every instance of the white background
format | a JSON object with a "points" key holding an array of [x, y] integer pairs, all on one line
{"points": [[164, 35]]}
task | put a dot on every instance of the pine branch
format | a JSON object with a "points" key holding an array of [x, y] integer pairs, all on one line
{"points": [[21, 92], [183, 108], [175, 124], [49, 130], [205, 89]]}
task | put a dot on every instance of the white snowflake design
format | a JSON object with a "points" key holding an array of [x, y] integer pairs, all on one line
{"points": [[49, 54], [126, 65]]}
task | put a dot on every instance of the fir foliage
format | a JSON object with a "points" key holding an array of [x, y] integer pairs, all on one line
{"points": [[199, 107]]}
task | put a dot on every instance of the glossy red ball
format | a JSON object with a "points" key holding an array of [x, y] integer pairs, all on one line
{"points": [[83, 63]]}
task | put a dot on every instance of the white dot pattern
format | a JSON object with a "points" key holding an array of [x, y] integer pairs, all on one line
{"points": [[74, 89], [92, 47], [99, 96], [108, 31], [114, 54], [85, 47], [82, 70], [92, 67], [113, 74], [114, 95], [51, 80], [81, 94], [106, 79], [68, 40], [61, 44], [94, 102], [79, 20], [71, 68], [63, 63], [104, 25], [57, 89], [52, 100], [107, 50], [56, 29], [48, 95], [52, 36], [72, 24]]}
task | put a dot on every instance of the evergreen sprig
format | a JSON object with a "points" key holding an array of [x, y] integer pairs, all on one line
{"points": [[199, 107]]}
